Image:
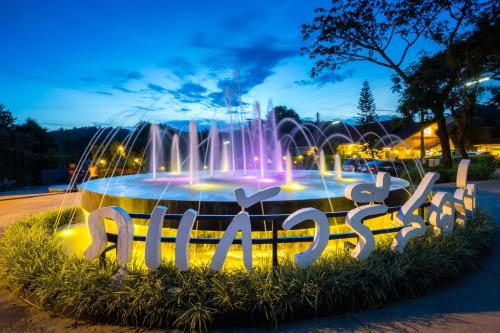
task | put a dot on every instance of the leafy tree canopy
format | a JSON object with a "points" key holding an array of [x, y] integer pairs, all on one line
{"points": [[6, 118], [281, 112]]}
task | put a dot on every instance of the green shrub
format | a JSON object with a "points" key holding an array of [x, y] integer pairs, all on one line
{"points": [[33, 263], [481, 168]]}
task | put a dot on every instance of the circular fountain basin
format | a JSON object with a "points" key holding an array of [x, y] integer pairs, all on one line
{"points": [[140, 193]]}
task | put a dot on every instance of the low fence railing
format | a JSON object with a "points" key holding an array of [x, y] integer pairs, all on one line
{"points": [[274, 240]]}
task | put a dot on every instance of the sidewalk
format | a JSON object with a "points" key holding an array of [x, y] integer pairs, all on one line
{"points": [[16, 204]]}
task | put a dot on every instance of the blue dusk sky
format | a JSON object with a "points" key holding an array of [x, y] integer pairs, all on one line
{"points": [[78, 63]]}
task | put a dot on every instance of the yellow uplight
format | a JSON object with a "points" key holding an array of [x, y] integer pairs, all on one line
{"points": [[66, 232], [293, 187], [204, 186]]}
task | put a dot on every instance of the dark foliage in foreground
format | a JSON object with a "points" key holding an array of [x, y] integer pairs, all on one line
{"points": [[33, 264]]}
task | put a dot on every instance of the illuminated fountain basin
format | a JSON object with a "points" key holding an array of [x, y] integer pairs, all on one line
{"points": [[215, 195], [140, 193]]}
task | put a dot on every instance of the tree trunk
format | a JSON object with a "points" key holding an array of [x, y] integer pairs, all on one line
{"points": [[461, 139], [444, 139], [422, 144]]}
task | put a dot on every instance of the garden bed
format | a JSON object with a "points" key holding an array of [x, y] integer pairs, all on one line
{"points": [[34, 265]]}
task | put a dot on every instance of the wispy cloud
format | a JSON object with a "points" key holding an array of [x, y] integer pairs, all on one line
{"points": [[179, 66], [156, 88], [327, 78], [190, 92], [113, 78], [104, 93], [252, 64]]}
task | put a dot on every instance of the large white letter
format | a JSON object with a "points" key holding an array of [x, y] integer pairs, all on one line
{"points": [[241, 222], [182, 239], [322, 232], [365, 193], [465, 195], [98, 233], [153, 238], [442, 212], [414, 224], [366, 242], [262, 195]]}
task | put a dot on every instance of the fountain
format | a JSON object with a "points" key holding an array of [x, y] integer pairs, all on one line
{"points": [[193, 153], [322, 163], [225, 157], [288, 169], [337, 166], [214, 148], [175, 156], [208, 186], [156, 159]]}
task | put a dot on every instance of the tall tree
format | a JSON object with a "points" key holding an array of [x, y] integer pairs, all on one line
{"points": [[367, 118], [383, 32], [426, 89], [281, 112], [468, 62], [367, 114], [6, 118]]}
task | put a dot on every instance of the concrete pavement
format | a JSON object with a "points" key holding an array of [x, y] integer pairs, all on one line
{"points": [[16, 204]]}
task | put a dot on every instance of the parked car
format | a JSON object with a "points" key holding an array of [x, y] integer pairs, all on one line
{"points": [[394, 168], [354, 164]]}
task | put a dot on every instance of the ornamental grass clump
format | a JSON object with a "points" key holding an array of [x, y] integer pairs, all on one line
{"points": [[34, 265]]}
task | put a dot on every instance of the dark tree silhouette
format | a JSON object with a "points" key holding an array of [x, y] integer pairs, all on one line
{"points": [[367, 118], [383, 32], [7, 120]]}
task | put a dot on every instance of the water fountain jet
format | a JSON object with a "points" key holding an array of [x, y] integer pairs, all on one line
{"points": [[322, 163], [337, 166], [193, 153], [175, 156]]}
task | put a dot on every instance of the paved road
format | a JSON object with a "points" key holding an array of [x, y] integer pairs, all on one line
{"points": [[470, 304], [13, 205]]}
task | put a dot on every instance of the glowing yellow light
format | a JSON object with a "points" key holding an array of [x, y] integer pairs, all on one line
{"points": [[80, 240], [428, 131], [136, 160], [66, 232], [162, 168], [293, 187], [205, 167], [121, 148], [102, 161], [205, 186], [300, 157]]}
